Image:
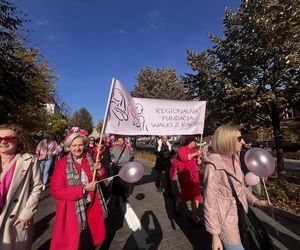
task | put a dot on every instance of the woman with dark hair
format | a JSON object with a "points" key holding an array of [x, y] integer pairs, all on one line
{"points": [[20, 188], [185, 165], [80, 208], [92, 147]]}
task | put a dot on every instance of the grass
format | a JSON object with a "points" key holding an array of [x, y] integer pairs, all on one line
{"points": [[146, 155]]}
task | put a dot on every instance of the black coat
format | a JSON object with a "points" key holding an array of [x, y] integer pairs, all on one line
{"points": [[163, 157]]}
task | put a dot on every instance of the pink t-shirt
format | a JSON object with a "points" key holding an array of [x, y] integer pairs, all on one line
{"points": [[5, 182]]}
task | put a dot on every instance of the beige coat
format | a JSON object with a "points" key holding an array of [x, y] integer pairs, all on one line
{"points": [[220, 211], [21, 202]]}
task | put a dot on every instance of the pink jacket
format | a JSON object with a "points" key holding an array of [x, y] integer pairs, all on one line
{"points": [[220, 212]]}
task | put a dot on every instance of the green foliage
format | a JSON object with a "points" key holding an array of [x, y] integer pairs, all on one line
{"points": [[254, 68], [82, 119], [55, 124], [252, 73], [159, 84], [25, 80]]}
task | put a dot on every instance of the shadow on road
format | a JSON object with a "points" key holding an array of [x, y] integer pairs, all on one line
{"points": [[286, 240], [152, 227], [113, 222], [199, 238], [42, 225], [147, 178]]}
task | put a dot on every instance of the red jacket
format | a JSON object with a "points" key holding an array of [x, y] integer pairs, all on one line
{"points": [[66, 231], [187, 173]]}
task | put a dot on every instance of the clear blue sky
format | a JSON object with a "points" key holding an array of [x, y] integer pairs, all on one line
{"points": [[88, 42]]}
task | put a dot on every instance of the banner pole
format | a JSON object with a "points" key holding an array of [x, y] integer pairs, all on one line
{"points": [[103, 126]]}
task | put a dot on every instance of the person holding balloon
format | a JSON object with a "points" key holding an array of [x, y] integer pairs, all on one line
{"points": [[80, 207], [220, 210]]}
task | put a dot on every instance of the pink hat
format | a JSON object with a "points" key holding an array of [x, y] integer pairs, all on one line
{"points": [[74, 133]]}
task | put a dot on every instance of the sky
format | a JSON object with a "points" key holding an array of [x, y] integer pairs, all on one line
{"points": [[89, 42]]}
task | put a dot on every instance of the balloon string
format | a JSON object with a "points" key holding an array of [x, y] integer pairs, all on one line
{"points": [[263, 180], [108, 178]]}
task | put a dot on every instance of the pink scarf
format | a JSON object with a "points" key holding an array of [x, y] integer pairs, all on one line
{"points": [[6, 180]]}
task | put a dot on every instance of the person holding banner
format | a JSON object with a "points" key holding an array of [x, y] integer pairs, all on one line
{"points": [[220, 210], [80, 207], [185, 165], [164, 153], [120, 154]]}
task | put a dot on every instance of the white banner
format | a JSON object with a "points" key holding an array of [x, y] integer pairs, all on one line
{"points": [[141, 116]]}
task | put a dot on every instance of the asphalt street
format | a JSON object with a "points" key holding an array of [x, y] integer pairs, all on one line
{"points": [[147, 221]]}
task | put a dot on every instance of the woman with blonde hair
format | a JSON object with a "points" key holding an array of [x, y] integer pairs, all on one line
{"points": [[20, 188], [220, 210]]}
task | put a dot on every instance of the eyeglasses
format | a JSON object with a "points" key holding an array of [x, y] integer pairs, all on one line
{"points": [[9, 138], [239, 138]]}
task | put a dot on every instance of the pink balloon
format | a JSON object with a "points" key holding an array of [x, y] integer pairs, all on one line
{"points": [[131, 172], [260, 162], [251, 179]]}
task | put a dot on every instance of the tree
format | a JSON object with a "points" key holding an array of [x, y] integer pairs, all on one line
{"points": [[55, 124], [159, 84], [82, 119], [25, 80], [251, 74]]}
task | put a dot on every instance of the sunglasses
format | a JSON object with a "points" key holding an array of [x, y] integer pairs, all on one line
{"points": [[239, 138], [9, 138]]}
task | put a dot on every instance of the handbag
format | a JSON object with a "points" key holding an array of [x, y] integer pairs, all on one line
{"points": [[253, 234]]}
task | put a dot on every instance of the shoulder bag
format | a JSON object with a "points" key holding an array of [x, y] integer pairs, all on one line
{"points": [[253, 234]]}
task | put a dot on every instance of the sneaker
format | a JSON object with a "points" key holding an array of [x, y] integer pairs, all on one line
{"points": [[44, 187]]}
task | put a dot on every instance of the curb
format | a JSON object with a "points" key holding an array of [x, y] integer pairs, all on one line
{"points": [[288, 215]]}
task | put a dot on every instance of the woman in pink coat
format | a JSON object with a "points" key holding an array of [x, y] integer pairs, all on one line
{"points": [[80, 208], [185, 165], [220, 211]]}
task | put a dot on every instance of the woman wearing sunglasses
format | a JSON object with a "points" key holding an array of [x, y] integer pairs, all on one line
{"points": [[220, 211], [20, 189]]}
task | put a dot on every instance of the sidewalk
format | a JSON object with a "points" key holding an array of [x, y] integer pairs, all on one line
{"points": [[147, 222]]}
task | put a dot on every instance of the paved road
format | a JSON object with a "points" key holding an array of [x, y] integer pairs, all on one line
{"points": [[147, 222]]}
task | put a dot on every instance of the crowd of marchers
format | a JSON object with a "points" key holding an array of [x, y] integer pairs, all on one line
{"points": [[81, 165]]}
